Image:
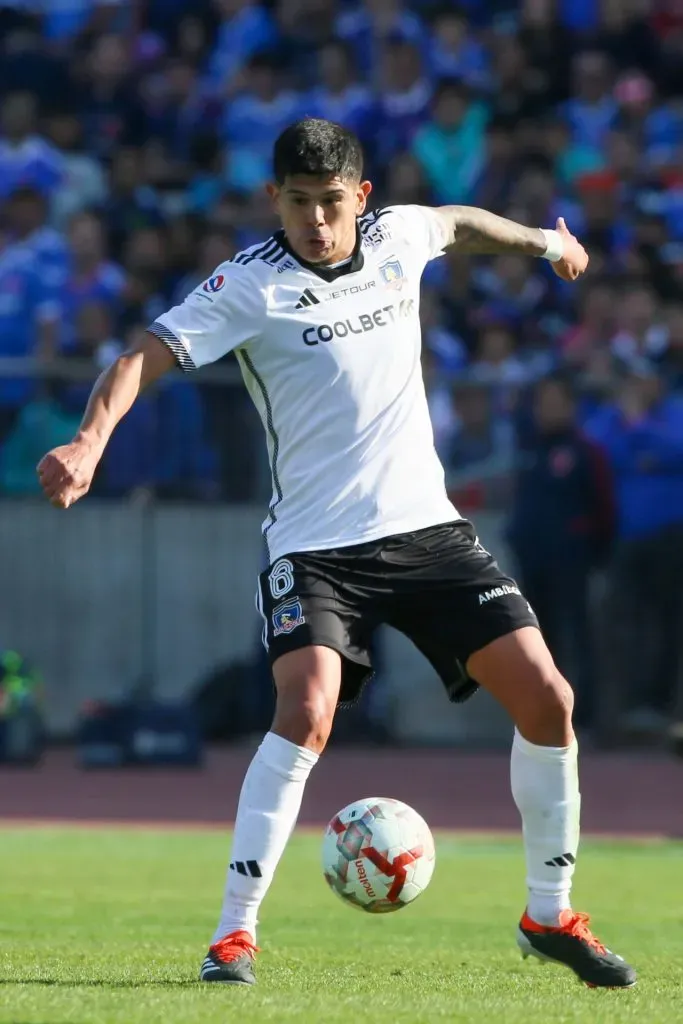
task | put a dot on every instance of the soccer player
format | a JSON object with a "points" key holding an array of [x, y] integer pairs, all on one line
{"points": [[323, 319]]}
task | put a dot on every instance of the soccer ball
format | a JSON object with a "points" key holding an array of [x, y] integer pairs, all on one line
{"points": [[378, 855]]}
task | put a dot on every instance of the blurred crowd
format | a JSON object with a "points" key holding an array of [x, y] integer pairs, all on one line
{"points": [[134, 146]]}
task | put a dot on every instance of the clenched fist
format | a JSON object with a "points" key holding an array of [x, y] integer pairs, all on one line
{"points": [[66, 473], [575, 258]]}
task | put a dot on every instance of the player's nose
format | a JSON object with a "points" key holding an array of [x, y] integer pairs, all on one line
{"points": [[316, 215]]}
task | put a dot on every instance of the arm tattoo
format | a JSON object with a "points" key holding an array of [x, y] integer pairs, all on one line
{"points": [[476, 231]]}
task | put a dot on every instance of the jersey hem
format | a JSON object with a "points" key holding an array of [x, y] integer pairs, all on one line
{"points": [[381, 533]]}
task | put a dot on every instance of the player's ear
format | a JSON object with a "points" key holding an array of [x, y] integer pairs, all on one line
{"points": [[364, 190], [273, 191]]}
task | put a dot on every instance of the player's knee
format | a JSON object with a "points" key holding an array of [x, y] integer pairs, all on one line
{"points": [[307, 723], [545, 717]]}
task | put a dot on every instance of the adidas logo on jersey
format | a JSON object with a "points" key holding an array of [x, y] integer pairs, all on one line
{"points": [[307, 299]]}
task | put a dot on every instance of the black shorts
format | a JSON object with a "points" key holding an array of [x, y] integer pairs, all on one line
{"points": [[438, 586]]}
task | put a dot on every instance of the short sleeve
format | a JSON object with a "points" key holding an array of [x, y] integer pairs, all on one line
{"points": [[223, 313], [425, 229]]}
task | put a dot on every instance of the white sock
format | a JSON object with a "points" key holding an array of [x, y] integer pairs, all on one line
{"points": [[266, 815], [545, 787]]}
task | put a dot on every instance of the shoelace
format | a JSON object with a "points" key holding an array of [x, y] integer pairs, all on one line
{"points": [[578, 926], [234, 946]]}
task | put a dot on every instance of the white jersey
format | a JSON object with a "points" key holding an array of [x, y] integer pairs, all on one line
{"points": [[331, 359]]}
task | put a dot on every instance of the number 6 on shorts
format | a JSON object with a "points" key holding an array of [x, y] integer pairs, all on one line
{"points": [[281, 578]]}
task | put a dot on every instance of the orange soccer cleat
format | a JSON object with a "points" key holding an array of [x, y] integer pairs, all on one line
{"points": [[573, 944], [230, 960]]}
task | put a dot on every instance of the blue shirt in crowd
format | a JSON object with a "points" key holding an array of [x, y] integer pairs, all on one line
{"points": [[647, 461], [33, 163], [25, 300]]}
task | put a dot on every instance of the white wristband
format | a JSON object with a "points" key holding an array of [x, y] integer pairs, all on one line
{"points": [[554, 245]]}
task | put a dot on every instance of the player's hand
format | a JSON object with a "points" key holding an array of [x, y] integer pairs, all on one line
{"points": [[575, 259], [66, 473]]}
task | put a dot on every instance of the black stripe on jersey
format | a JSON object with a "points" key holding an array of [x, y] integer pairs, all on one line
{"points": [[270, 426], [264, 252], [273, 260], [175, 344], [255, 252]]}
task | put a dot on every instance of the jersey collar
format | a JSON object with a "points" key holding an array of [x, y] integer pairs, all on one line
{"points": [[327, 273]]}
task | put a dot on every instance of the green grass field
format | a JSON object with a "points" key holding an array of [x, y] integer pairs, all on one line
{"points": [[111, 925]]}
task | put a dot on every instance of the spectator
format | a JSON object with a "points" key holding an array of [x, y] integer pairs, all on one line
{"points": [[441, 406], [593, 112], [480, 441], [26, 218], [93, 276], [500, 165], [29, 313], [206, 184], [641, 335], [454, 52], [570, 159], [340, 96], [597, 316], [69, 21], [182, 239], [404, 96], [495, 359], [369, 27], [254, 119], [176, 106], [26, 64], [655, 128], [517, 89], [534, 191], [131, 203], [95, 337], [652, 246], [451, 147], [671, 359], [305, 27], [448, 352], [513, 292], [642, 434], [216, 247], [40, 423], [83, 183], [26, 158], [108, 107], [406, 183], [560, 529], [246, 28]]}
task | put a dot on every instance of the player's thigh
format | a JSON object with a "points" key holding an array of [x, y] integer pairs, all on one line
{"points": [[517, 669], [317, 636]]}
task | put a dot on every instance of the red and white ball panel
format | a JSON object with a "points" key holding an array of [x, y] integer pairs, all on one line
{"points": [[378, 854]]}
